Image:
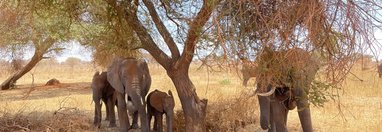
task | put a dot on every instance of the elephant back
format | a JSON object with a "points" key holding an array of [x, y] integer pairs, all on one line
{"points": [[155, 99], [286, 68]]}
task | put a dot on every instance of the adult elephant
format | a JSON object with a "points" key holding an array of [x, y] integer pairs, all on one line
{"points": [[380, 70], [284, 81], [102, 90], [130, 76]]}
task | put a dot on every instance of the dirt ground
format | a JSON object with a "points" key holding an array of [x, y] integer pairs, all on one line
{"points": [[360, 107]]}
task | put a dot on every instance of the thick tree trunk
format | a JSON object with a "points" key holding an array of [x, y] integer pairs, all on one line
{"points": [[194, 108], [13, 78]]}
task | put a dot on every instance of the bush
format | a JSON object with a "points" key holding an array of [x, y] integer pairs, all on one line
{"points": [[227, 114]]}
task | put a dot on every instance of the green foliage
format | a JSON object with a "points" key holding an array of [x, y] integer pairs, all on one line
{"points": [[225, 82], [100, 28], [39, 24], [320, 92]]}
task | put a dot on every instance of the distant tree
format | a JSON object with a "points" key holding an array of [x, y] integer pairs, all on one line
{"points": [[34, 27], [49, 62], [72, 61]]}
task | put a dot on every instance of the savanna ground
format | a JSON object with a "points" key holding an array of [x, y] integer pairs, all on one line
{"points": [[69, 107]]}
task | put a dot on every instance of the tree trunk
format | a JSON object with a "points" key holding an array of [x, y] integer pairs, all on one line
{"points": [[194, 108], [13, 78]]}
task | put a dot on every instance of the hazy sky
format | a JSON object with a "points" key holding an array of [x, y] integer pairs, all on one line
{"points": [[75, 50]]}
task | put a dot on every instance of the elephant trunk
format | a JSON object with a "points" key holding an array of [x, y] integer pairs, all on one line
{"points": [[169, 120], [304, 110], [138, 102], [265, 108]]}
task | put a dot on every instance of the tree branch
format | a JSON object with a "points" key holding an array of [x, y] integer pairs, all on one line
{"points": [[145, 38], [194, 32], [162, 30]]}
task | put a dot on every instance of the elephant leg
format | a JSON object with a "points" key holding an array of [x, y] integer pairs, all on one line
{"points": [[97, 114], [105, 101], [278, 115], [155, 122], [160, 122], [122, 112], [265, 112], [169, 121], [303, 110], [135, 120], [111, 112], [149, 115], [137, 101]]}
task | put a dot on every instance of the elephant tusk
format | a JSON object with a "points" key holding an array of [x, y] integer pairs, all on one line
{"points": [[267, 93]]}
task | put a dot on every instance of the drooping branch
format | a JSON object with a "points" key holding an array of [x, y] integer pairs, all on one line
{"points": [[194, 32], [162, 30], [145, 38]]}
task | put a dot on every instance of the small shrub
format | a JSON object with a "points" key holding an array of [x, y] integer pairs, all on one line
{"points": [[225, 82]]}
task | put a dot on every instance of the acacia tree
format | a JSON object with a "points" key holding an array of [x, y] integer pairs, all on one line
{"points": [[31, 25], [177, 65]]}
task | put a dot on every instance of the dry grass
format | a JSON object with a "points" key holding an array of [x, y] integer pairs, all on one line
{"points": [[65, 119], [68, 107]]}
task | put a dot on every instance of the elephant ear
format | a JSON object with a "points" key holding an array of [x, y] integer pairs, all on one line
{"points": [[113, 75], [146, 76], [156, 100]]}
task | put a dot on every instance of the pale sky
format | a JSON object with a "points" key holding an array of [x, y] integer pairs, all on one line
{"points": [[75, 50]]}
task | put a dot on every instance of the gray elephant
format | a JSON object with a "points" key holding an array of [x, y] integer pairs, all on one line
{"points": [[279, 94], [159, 103], [380, 70], [103, 90], [130, 77]]}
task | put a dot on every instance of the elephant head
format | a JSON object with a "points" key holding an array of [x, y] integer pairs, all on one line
{"points": [[130, 77], [159, 103], [284, 85], [102, 90]]}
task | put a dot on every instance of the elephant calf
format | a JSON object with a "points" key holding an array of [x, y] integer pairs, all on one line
{"points": [[103, 90], [159, 103]]}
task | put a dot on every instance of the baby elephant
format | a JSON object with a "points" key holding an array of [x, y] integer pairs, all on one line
{"points": [[103, 90], [159, 103]]}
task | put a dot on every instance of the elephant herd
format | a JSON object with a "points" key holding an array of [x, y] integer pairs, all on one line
{"points": [[130, 77], [276, 95]]}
